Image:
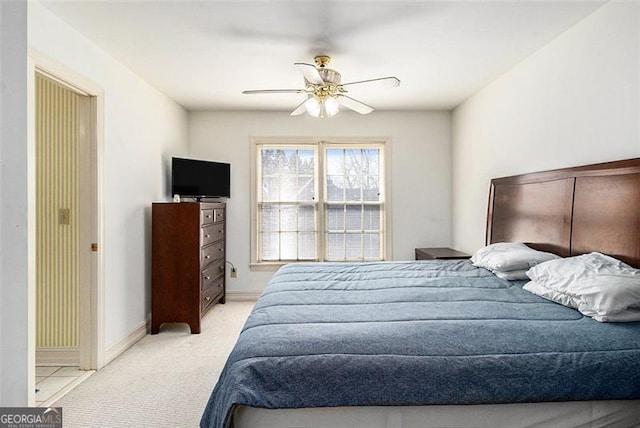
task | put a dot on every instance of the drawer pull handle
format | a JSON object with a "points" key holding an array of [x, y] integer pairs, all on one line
{"points": [[207, 298], [221, 268], [207, 236], [206, 257], [208, 215], [207, 278], [219, 285]]}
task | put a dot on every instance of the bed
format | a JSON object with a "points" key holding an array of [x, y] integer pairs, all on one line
{"points": [[445, 343]]}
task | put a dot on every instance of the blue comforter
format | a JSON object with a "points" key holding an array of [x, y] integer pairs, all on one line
{"points": [[417, 333]]}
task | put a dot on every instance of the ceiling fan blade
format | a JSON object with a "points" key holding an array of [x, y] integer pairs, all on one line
{"points": [[310, 72], [382, 82], [301, 109], [354, 104], [275, 91]]}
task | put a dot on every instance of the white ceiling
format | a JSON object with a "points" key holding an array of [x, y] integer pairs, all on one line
{"points": [[203, 54]]}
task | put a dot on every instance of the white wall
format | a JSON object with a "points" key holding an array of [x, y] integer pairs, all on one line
{"points": [[576, 101], [421, 178], [15, 370], [141, 126]]}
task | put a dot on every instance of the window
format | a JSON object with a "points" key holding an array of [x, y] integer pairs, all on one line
{"points": [[319, 201]]}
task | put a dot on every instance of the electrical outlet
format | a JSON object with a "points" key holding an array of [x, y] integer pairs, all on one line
{"points": [[234, 273]]}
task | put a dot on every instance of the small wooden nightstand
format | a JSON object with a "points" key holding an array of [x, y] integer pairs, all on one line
{"points": [[440, 254]]}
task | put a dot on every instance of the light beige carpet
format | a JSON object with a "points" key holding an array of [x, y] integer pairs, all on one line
{"points": [[164, 380]]}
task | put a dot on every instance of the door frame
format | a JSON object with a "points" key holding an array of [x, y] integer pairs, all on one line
{"points": [[91, 298]]}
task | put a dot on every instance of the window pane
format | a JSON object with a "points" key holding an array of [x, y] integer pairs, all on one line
{"points": [[270, 218], [288, 246], [288, 188], [306, 162], [335, 162], [371, 188], [269, 162], [305, 190], [271, 189], [353, 188], [335, 188], [352, 161], [288, 218], [372, 248], [270, 246], [353, 218], [372, 161], [372, 215], [307, 218], [306, 246], [354, 246], [335, 246], [335, 218], [288, 162]]}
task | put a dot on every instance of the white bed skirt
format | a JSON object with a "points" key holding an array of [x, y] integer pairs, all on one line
{"points": [[591, 414]]}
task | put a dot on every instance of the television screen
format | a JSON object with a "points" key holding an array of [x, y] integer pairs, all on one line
{"points": [[198, 178]]}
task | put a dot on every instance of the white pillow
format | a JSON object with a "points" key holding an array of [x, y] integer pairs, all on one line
{"points": [[512, 275], [599, 286], [509, 256], [611, 298], [550, 294], [563, 273]]}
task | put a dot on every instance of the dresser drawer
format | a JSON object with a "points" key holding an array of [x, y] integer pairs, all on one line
{"points": [[210, 294], [206, 217], [213, 272], [211, 253], [218, 215], [211, 233]]}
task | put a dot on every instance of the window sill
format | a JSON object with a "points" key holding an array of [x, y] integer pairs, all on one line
{"points": [[274, 266], [266, 266]]}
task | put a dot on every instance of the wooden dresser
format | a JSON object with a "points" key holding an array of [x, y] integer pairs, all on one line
{"points": [[187, 262]]}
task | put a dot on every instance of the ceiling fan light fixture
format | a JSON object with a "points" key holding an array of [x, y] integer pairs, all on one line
{"points": [[331, 106], [313, 106], [321, 107]]}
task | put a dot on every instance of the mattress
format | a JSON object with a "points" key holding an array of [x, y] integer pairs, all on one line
{"points": [[415, 334]]}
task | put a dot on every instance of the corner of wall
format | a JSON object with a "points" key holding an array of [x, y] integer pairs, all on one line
{"points": [[16, 341]]}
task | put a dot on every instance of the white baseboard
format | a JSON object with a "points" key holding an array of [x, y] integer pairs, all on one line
{"points": [[61, 393], [243, 296], [57, 356], [126, 342]]}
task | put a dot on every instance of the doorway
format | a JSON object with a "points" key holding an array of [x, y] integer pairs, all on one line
{"points": [[69, 324]]}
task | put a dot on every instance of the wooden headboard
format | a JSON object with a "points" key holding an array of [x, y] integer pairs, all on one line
{"points": [[570, 211]]}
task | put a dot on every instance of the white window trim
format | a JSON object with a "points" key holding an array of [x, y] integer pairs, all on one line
{"points": [[326, 141]]}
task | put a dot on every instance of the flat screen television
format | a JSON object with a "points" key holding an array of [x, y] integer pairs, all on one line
{"points": [[200, 179]]}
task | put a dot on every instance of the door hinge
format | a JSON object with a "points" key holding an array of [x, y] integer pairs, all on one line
{"points": [[94, 246]]}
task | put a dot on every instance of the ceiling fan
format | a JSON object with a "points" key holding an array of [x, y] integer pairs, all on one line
{"points": [[324, 91]]}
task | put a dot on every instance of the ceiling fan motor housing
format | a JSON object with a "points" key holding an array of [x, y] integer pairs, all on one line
{"points": [[330, 77]]}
